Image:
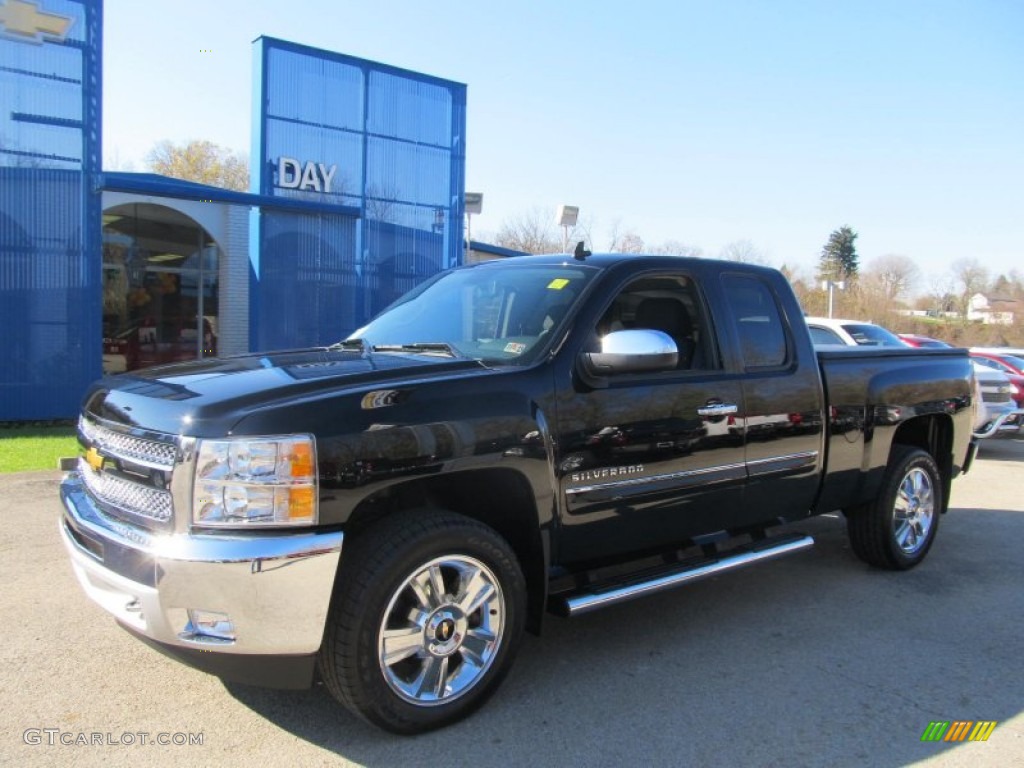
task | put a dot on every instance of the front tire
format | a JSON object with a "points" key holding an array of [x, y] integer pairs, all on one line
{"points": [[427, 615], [898, 528]]}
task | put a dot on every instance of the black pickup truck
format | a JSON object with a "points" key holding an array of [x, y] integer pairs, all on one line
{"points": [[543, 434]]}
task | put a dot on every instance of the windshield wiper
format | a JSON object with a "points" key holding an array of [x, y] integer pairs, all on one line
{"points": [[423, 347], [352, 345]]}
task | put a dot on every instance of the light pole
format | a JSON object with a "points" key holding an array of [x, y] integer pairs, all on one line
{"points": [[566, 217], [474, 204], [830, 286]]}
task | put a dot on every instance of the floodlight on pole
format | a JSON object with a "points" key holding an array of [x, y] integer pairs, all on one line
{"points": [[830, 286], [566, 217], [474, 203]]}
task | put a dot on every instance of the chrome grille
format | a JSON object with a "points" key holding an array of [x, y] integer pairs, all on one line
{"points": [[142, 501], [117, 445], [1000, 395]]}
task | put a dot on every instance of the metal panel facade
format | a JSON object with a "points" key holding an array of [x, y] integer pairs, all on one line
{"points": [[51, 345], [334, 130]]}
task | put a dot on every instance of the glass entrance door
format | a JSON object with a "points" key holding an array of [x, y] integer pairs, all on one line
{"points": [[160, 288]]}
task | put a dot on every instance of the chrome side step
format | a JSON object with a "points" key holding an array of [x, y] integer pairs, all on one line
{"points": [[596, 597]]}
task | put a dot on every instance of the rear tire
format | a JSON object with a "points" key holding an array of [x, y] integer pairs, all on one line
{"points": [[897, 529], [428, 612]]}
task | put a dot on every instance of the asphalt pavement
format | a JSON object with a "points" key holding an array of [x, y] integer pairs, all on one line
{"points": [[815, 659]]}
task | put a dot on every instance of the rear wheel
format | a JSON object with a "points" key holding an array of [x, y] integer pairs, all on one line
{"points": [[427, 614], [898, 528]]}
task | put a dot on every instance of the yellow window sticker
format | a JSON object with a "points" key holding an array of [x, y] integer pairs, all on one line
{"points": [[558, 283]]}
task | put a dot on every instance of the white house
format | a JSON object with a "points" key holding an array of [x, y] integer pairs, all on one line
{"points": [[992, 309]]}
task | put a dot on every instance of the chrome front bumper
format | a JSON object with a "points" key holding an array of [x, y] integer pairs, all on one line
{"points": [[273, 589], [1007, 423]]}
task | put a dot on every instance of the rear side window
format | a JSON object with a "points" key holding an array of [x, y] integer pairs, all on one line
{"points": [[821, 335], [757, 320], [867, 335]]}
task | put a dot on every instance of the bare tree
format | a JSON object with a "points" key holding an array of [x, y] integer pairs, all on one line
{"points": [[531, 232], [630, 242], [941, 296], [972, 278], [615, 235], [116, 163], [201, 161], [627, 241], [379, 202], [676, 248], [742, 251], [894, 274]]}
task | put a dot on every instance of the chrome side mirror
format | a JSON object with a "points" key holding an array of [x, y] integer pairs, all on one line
{"points": [[632, 351]]}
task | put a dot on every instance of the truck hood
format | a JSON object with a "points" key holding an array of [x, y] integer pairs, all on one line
{"points": [[207, 397]]}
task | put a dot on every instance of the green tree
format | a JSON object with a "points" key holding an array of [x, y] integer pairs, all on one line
{"points": [[839, 259], [201, 161]]}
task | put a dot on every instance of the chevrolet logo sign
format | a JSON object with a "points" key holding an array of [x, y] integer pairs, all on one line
{"points": [[24, 21], [93, 459]]}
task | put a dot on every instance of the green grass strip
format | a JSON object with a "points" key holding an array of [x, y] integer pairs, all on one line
{"points": [[30, 448]]}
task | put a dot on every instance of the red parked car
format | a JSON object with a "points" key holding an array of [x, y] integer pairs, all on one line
{"points": [[922, 341]]}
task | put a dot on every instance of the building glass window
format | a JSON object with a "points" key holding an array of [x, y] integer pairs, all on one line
{"points": [[160, 288]]}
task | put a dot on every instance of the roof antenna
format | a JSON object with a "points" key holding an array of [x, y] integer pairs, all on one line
{"points": [[580, 253]]}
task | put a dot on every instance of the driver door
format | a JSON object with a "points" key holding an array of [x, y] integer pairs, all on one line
{"points": [[653, 457]]}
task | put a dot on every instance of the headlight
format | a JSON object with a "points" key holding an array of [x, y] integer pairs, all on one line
{"points": [[248, 481]]}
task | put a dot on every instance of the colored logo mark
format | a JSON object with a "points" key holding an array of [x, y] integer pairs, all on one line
{"points": [[958, 730], [93, 459], [24, 21]]}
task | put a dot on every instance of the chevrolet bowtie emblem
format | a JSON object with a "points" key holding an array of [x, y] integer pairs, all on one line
{"points": [[24, 21], [93, 459]]}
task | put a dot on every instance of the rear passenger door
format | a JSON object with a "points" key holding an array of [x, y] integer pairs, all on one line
{"points": [[780, 406]]}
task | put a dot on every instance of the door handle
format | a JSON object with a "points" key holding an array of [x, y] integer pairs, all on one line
{"points": [[717, 409]]}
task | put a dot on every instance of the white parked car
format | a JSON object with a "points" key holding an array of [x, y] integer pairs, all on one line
{"points": [[996, 413], [851, 333]]}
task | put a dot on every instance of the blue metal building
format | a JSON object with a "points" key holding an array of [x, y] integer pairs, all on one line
{"points": [[378, 155], [357, 195], [50, 343]]}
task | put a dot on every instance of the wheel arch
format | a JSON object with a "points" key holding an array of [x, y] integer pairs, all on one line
{"points": [[500, 498], [934, 434]]}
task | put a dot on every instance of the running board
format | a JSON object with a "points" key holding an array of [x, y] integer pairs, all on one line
{"points": [[596, 596]]}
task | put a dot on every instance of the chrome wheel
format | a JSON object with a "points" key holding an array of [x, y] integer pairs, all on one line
{"points": [[897, 528], [441, 630], [914, 511]]}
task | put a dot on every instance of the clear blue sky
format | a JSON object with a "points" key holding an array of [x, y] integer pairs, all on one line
{"points": [[703, 122]]}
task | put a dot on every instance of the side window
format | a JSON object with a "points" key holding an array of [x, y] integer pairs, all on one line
{"points": [[670, 304], [757, 320], [821, 335]]}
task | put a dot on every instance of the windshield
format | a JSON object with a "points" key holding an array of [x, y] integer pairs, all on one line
{"points": [[1014, 360], [503, 314], [873, 335]]}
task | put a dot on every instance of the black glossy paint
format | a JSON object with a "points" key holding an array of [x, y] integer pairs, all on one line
{"points": [[607, 467]]}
